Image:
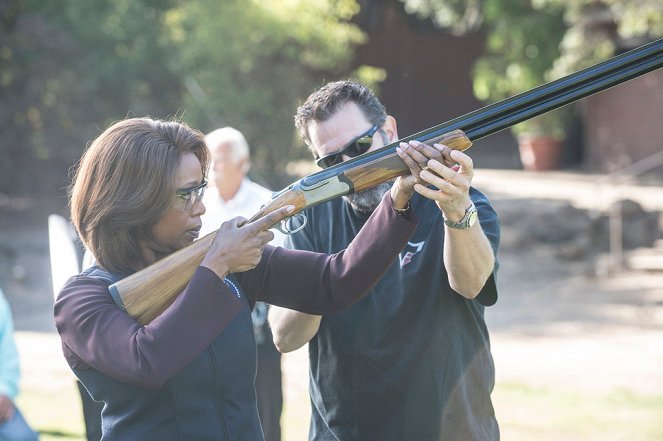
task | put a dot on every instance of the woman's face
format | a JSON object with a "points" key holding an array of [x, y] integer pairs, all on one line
{"points": [[180, 224]]}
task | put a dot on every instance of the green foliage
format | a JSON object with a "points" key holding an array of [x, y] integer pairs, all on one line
{"points": [[522, 44], [252, 62], [459, 16], [529, 43], [68, 69], [596, 29]]}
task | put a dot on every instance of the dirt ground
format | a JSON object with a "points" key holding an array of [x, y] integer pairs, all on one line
{"points": [[556, 325]]}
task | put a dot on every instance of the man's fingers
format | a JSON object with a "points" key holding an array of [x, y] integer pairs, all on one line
{"points": [[466, 163], [435, 179], [444, 178], [437, 168], [429, 193]]}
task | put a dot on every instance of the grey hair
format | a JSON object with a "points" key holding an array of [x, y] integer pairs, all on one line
{"points": [[233, 137]]}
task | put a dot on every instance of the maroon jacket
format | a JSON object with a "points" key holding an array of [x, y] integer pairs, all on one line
{"points": [[154, 378]]}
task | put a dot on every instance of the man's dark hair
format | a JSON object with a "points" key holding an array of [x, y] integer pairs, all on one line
{"points": [[324, 102]]}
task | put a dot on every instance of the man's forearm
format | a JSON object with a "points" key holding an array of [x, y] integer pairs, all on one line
{"points": [[469, 259], [292, 329]]}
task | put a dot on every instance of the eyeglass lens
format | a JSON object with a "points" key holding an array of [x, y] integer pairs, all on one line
{"points": [[193, 195]]}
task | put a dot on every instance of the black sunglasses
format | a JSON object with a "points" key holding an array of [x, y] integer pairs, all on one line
{"points": [[356, 147]]}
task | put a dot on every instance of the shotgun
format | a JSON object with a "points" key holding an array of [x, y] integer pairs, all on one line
{"points": [[147, 293]]}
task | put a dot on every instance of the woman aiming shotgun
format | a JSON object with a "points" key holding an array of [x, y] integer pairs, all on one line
{"points": [[188, 374]]}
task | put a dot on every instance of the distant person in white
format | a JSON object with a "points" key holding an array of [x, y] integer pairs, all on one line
{"points": [[230, 194]]}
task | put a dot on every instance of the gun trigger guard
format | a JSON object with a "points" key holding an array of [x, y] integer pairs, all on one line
{"points": [[284, 226]]}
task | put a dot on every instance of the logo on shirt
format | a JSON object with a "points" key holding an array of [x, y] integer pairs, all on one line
{"points": [[409, 252]]}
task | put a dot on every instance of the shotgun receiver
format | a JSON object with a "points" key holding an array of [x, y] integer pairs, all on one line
{"points": [[148, 292]]}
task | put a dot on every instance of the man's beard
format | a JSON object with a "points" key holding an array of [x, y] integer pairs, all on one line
{"points": [[366, 201]]}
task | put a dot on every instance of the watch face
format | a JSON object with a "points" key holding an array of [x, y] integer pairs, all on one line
{"points": [[473, 218]]}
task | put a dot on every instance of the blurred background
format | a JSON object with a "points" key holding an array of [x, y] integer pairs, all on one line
{"points": [[582, 224]]}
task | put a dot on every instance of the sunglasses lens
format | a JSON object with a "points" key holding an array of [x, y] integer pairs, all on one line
{"points": [[330, 160], [359, 147], [355, 148]]}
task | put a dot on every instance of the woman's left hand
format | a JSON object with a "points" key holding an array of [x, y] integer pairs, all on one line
{"points": [[416, 155]]}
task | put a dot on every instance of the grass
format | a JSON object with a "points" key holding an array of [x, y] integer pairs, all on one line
{"points": [[563, 413], [49, 400], [54, 412], [524, 413]]}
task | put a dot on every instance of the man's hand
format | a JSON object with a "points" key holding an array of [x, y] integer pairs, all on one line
{"points": [[6, 408], [416, 156], [451, 178]]}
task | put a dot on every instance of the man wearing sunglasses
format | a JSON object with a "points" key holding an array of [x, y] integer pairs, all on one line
{"points": [[411, 361]]}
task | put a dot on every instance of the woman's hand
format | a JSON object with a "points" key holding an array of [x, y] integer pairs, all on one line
{"points": [[416, 155], [238, 245]]}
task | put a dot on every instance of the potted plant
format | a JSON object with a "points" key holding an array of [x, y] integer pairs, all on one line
{"points": [[540, 140], [522, 44]]}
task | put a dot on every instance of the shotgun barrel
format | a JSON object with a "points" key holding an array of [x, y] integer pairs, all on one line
{"points": [[146, 293], [518, 108]]}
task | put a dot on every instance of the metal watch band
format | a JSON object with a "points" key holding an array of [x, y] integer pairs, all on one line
{"points": [[467, 221]]}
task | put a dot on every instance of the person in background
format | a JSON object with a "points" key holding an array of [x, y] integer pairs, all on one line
{"points": [[233, 194], [136, 197], [410, 361], [13, 426]]}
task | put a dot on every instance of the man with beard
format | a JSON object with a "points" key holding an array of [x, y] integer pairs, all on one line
{"points": [[411, 361]]}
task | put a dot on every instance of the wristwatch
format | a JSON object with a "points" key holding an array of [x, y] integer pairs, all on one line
{"points": [[467, 221]]}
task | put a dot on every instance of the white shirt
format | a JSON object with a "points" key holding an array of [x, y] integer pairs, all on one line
{"points": [[249, 199]]}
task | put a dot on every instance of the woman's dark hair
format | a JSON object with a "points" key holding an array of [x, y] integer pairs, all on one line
{"points": [[125, 182]]}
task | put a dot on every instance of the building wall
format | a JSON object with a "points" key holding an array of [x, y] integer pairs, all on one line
{"points": [[624, 125], [428, 76]]}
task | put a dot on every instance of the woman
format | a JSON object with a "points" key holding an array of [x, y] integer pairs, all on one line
{"points": [[188, 375]]}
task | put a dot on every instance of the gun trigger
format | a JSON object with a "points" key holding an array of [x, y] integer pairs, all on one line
{"points": [[285, 228]]}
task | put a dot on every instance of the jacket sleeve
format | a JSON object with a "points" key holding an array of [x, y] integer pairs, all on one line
{"points": [[318, 283], [9, 363], [97, 333]]}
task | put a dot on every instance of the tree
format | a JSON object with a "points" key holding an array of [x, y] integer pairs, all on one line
{"points": [[69, 69], [533, 42], [248, 64]]}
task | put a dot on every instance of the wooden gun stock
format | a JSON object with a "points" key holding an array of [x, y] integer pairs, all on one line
{"points": [[148, 292]]}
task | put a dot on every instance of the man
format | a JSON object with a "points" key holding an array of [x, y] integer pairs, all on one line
{"points": [[233, 194], [13, 426], [411, 361]]}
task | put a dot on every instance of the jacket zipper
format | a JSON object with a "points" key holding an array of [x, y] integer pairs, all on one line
{"points": [[219, 390]]}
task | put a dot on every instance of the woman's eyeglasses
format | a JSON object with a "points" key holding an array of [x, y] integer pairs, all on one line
{"points": [[356, 147], [191, 196]]}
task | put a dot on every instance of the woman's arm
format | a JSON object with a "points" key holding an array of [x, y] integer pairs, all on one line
{"points": [[95, 332], [321, 284]]}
